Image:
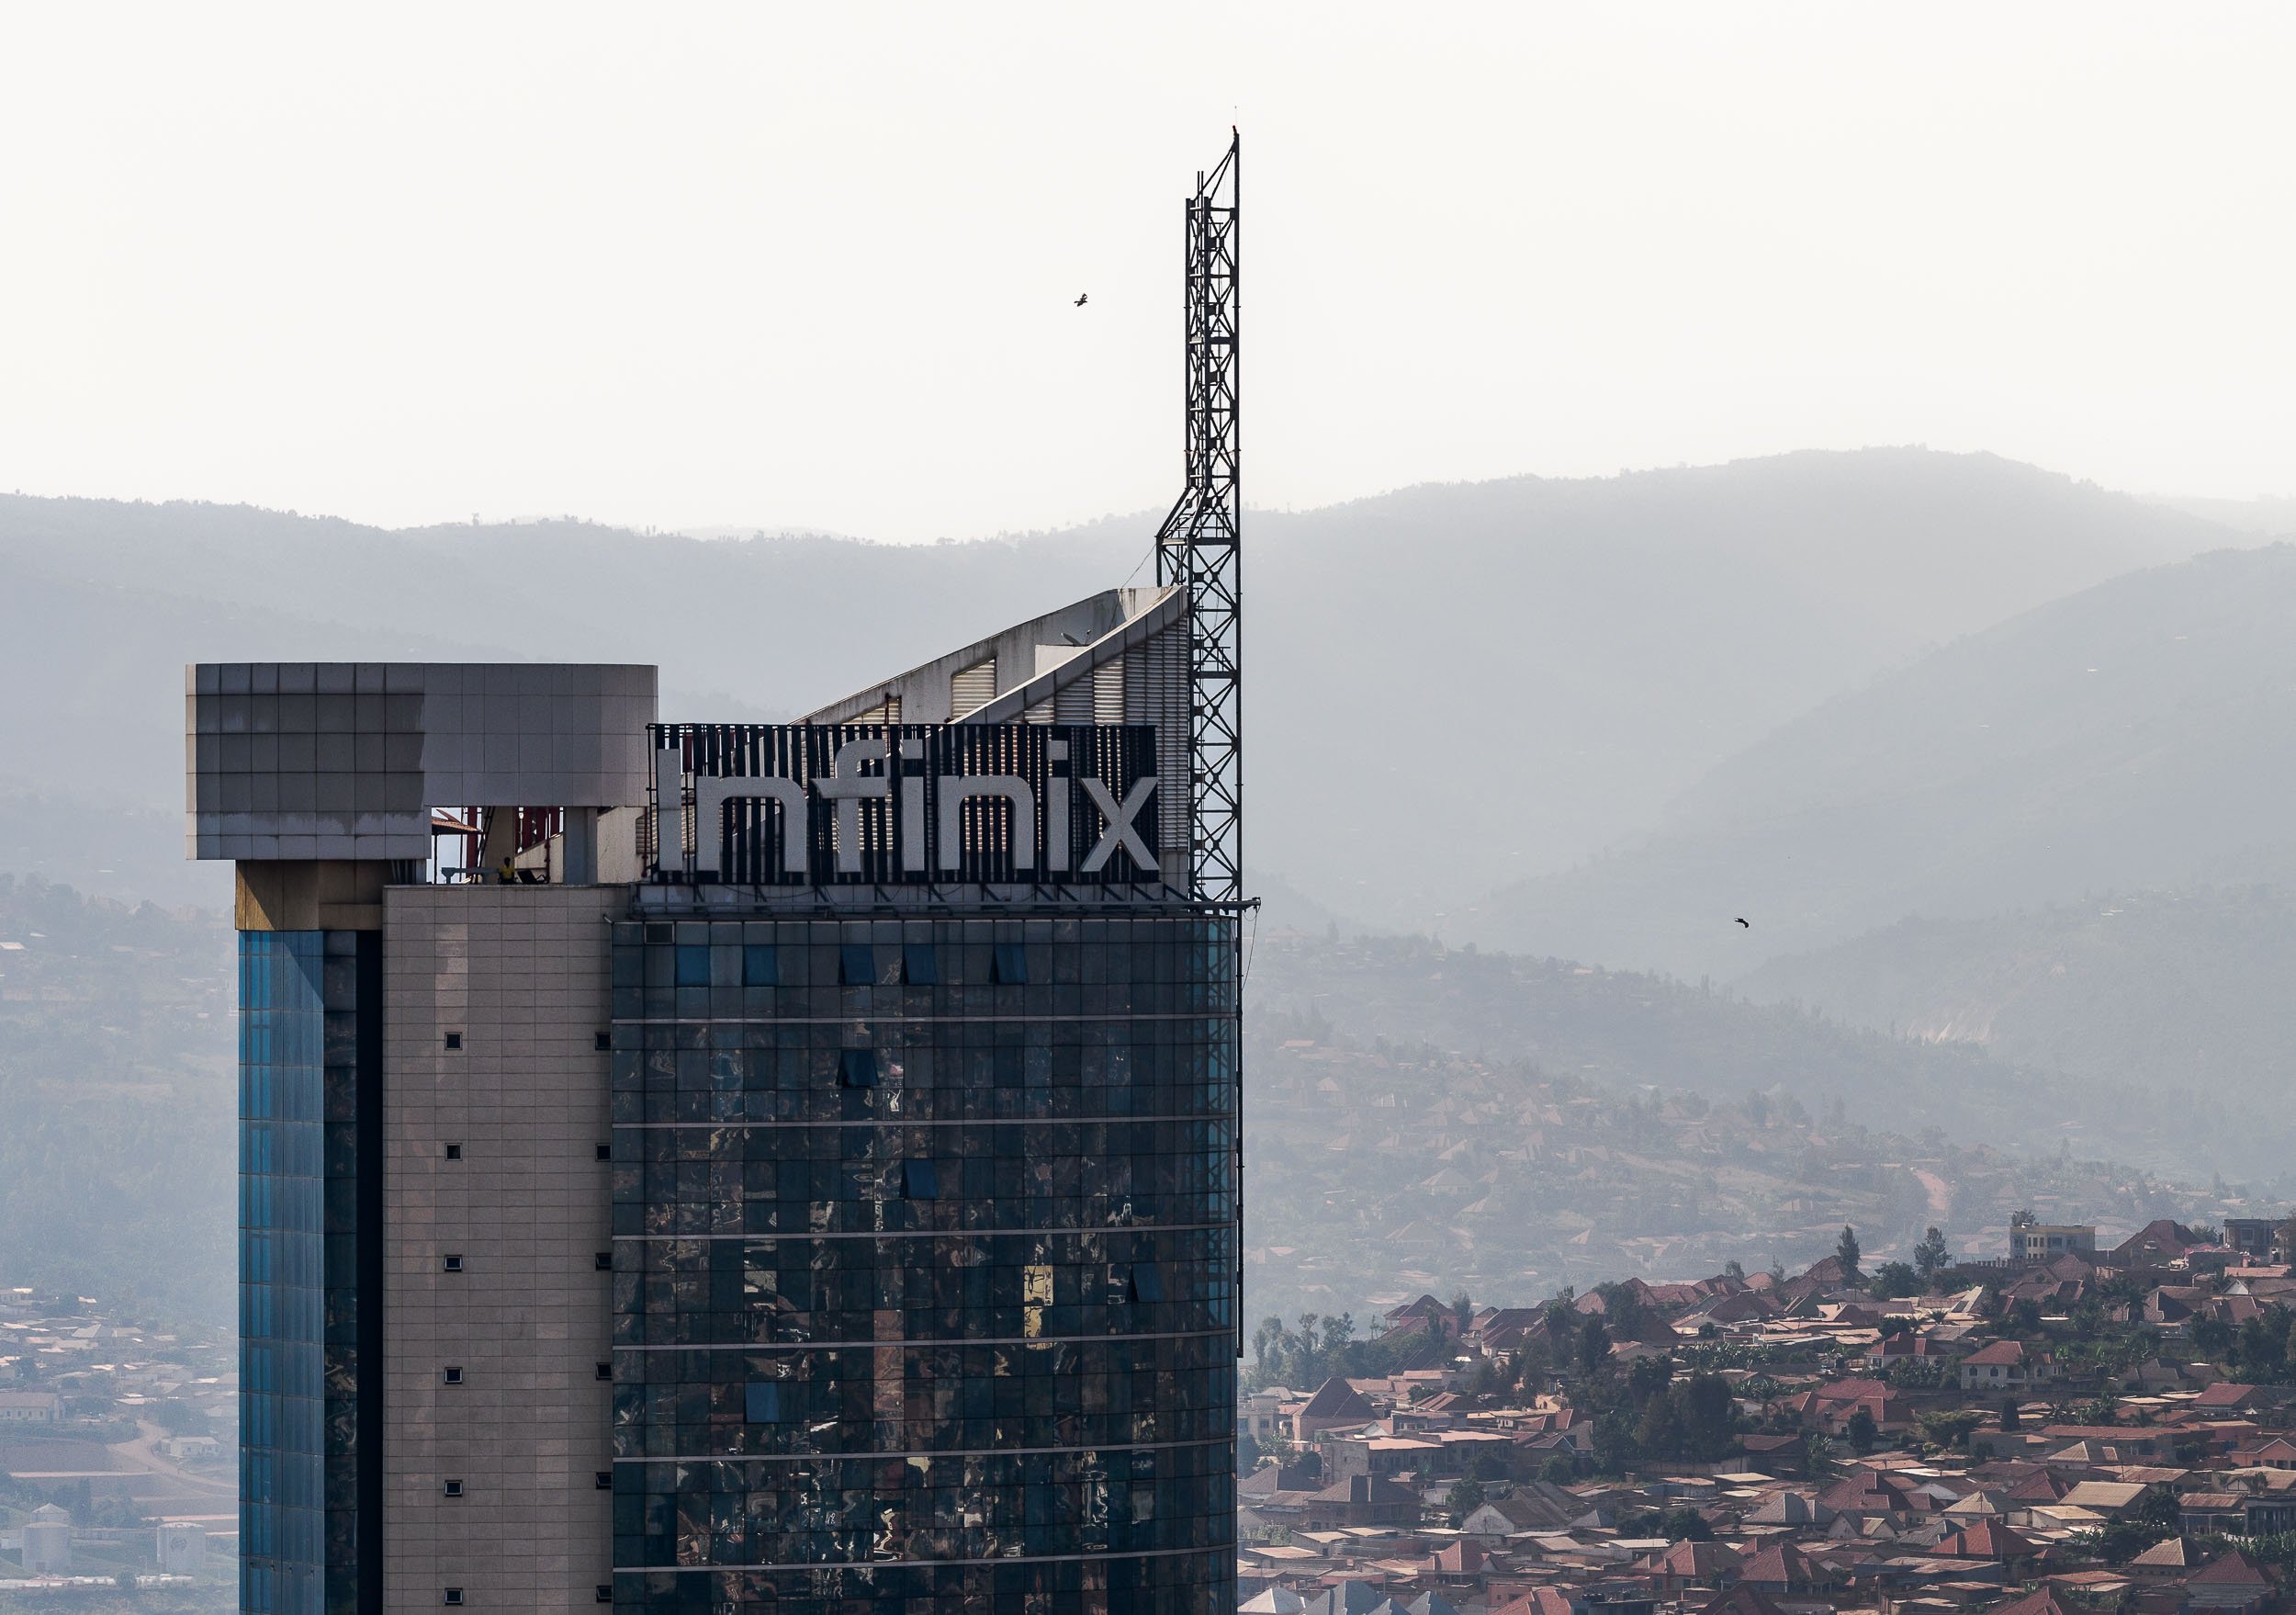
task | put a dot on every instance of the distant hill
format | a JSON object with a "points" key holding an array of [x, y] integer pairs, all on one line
{"points": [[119, 1087], [1447, 685], [2272, 516], [2140, 734], [2170, 1006], [1418, 1119]]}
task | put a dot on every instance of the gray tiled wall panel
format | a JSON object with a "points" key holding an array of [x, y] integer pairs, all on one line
{"points": [[521, 974], [343, 760]]}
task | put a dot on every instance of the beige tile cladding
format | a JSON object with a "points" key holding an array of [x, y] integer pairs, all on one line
{"points": [[521, 974]]}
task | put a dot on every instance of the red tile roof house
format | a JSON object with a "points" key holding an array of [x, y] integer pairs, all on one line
{"points": [[1693, 1564], [1782, 1570], [1830, 1406], [2043, 1602], [1987, 1541], [1903, 1349], [2006, 1365], [1338, 1405], [1360, 1500], [2233, 1581], [2279, 1452], [1544, 1600], [1869, 1492], [2118, 1443], [2226, 1396], [1742, 1600]]}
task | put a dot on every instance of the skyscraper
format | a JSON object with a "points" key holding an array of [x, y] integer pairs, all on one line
{"points": [[785, 1168], [798, 1168]]}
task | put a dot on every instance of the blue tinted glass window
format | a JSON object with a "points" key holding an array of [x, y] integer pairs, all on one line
{"points": [[693, 965], [856, 965], [761, 1402], [920, 1180], [1009, 963], [1147, 1281], [760, 966], [919, 967], [856, 1068]]}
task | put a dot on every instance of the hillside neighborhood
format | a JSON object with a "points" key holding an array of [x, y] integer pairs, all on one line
{"points": [[2061, 1428]]}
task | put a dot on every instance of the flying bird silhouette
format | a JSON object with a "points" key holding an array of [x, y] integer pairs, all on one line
{"points": [[1742, 922], [1080, 298]]}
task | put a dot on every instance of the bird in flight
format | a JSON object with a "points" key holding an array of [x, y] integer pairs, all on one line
{"points": [[1080, 298], [1742, 922]]}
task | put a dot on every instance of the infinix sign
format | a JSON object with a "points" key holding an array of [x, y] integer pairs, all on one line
{"points": [[873, 804]]}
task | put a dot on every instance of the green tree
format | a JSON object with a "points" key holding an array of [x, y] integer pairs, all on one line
{"points": [[1659, 1432], [1847, 1253], [1950, 1427], [1895, 1279], [1466, 1496], [1558, 1470], [1709, 1414], [1686, 1525], [1594, 1345], [1863, 1432], [179, 1419], [1930, 1256], [1622, 1310]]}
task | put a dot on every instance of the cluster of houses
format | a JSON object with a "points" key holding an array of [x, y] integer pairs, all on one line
{"points": [[94, 1411], [1926, 1453]]}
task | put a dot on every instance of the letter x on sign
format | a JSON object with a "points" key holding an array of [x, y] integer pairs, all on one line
{"points": [[1120, 817]]}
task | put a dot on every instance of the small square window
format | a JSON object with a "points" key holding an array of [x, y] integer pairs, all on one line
{"points": [[856, 1068], [605, 1151], [761, 1402], [453, 1152], [453, 1264], [605, 1480], [452, 1488], [920, 1179], [605, 1593], [454, 1040], [605, 1370], [452, 1376], [603, 1260], [453, 1595], [1147, 1281], [856, 965], [760, 966], [602, 1041], [1008, 964], [919, 966]]}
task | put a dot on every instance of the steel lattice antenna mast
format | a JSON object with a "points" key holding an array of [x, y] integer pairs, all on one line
{"points": [[1199, 546]]}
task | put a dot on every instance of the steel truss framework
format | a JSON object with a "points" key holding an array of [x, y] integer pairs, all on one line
{"points": [[1200, 547]]}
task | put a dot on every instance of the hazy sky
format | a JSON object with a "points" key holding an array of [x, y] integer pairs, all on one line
{"points": [[814, 264]]}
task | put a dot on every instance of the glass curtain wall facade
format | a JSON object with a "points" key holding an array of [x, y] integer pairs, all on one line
{"points": [[925, 1255], [310, 1008]]}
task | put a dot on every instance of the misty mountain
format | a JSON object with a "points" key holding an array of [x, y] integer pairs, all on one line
{"points": [[1420, 1118], [2136, 735], [1592, 646], [2168, 1006]]}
